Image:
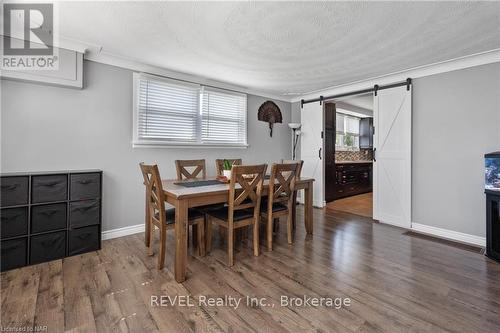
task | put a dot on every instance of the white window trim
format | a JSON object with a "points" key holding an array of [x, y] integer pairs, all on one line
{"points": [[138, 143]]}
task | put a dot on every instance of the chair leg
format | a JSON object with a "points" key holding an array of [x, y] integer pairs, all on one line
{"points": [[294, 209], [194, 232], [222, 234], [201, 238], [151, 232], [230, 245], [289, 226], [270, 227], [147, 234], [163, 245], [276, 224], [208, 234], [256, 236]]}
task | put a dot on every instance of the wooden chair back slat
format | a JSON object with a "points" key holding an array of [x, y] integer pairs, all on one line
{"points": [[250, 178], [219, 164], [154, 190], [301, 162], [183, 173], [282, 182]]}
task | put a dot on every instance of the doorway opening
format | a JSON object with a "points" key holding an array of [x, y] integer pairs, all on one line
{"points": [[348, 142]]}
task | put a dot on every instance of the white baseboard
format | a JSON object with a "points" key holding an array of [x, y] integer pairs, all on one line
{"points": [[125, 231], [449, 234]]}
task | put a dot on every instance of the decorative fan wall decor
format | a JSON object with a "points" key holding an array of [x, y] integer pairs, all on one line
{"points": [[270, 113]]}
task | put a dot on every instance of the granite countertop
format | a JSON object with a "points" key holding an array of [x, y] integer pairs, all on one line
{"points": [[353, 162]]}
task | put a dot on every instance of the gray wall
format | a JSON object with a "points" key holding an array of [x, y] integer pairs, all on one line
{"points": [[456, 120], [295, 109], [51, 128]]}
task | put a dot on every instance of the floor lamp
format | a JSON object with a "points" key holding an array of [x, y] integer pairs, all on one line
{"points": [[296, 135]]}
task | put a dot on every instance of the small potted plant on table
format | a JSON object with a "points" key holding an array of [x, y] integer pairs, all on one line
{"points": [[226, 169]]}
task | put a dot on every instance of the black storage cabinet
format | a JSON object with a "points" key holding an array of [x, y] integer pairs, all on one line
{"points": [[493, 224], [49, 215]]}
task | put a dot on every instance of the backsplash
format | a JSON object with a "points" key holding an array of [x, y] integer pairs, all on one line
{"points": [[361, 155]]}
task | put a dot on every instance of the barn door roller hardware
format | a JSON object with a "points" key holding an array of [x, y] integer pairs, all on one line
{"points": [[375, 89]]}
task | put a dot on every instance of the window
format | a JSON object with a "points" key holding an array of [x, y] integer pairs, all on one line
{"points": [[347, 128], [223, 117], [170, 112]]}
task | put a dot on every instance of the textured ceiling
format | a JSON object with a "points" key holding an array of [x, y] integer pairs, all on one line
{"points": [[285, 48]]}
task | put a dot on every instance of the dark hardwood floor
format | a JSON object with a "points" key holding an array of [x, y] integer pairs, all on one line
{"points": [[396, 283]]}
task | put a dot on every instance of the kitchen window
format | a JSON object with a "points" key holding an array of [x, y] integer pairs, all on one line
{"points": [[347, 136], [176, 113]]}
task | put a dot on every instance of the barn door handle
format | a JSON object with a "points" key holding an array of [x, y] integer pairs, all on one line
{"points": [[374, 154], [319, 153]]}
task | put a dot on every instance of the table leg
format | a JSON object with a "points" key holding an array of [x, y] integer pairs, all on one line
{"points": [[181, 245], [308, 208]]}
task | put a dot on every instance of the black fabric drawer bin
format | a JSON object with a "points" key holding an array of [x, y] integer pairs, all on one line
{"points": [[47, 247], [14, 190], [13, 253], [14, 221], [85, 186], [49, 188], [48, 217], [83, 240], [84, 213]]}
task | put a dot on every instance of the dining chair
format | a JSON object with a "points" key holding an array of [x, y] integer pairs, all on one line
{"points": [[183, 172], [243, 207], [192, 169], [164, 219], [294, 212], [301, 162], [219, 164], [280, 198]]}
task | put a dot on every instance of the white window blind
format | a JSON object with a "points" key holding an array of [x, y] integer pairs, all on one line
{"points": [[167, 111], [224, 117], [170, 112]]}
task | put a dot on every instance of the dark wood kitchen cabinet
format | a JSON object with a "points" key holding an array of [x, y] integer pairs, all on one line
{"points": [[48, 216], [329, 155], [352, 179], [366, 133]]}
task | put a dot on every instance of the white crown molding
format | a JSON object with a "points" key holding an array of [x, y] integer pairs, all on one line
{"points": [[449, 234], [473, 60], [138, 66], [125, 231], [76, 45]]}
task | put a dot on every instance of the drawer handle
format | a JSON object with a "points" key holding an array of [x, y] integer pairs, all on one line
{"points": [[84, 209], [9, 248], [10, 218], [50, 184], [10, 187], [85, 181], [49, 243], [49, 212], [84, 236]]}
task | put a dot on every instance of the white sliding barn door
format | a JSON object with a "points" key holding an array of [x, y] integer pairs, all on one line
{"points": [[311, 148], [392, 169]]}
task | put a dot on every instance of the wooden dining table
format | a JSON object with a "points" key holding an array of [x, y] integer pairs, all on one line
{"points": [[183, 198]]}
